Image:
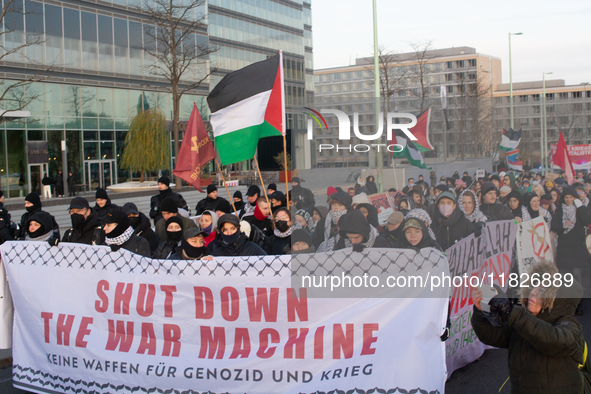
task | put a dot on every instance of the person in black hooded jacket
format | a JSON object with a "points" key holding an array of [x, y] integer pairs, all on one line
{"points": [[371, 214], [356, 232], [210, 202], [370, 185], [301, 242], [449, 223], [192, 246], [300, 196], [340, 204], [238, 203], [514, 204], [141, 225], [119, 235], [230, 241], [415, 236], [39, 227], [165, 191], [393, 229], [173, 243], [32, 206], [103, 205], [489, 205], [280, 241], [86, 228]]}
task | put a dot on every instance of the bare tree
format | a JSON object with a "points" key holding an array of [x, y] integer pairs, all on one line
{"points": [[570, 119], [175, 52], [420, 70], [14, 42]]}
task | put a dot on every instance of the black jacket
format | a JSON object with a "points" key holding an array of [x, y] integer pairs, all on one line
{"points": [[302, 197], [91, 233], [137, 245], [426, 241], [266, 226], [391, 237], [571, 251], [156, 200], [278, 245], [496, 211], [242, 247], [450, 230], [22, 231], [207, 204], [166, 250], [144, 230], [356, 223], [104, 211]]}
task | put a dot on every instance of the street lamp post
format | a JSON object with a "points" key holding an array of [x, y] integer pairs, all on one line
{"points": [[511, 80], [544, 133], [377, 92]]}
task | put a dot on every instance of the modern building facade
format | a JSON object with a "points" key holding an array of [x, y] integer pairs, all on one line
{"points": [[98, 77], [466, 76], [568, 109]]}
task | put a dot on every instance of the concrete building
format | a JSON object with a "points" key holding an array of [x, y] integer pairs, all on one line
{"points": [[99, 79], [466, 76]]}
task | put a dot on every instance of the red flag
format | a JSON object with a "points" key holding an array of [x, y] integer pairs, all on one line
{"points": [[196, 151], [562, 159]]}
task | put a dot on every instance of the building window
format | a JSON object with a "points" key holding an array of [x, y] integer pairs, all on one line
{"points": [[577, 94], [460, 64], [449, 65], [448, 77], [563, 96], [523, 99], [472, 63], [549, 96]]}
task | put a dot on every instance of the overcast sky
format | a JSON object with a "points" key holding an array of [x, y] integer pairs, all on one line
{"points": [[556, 34]]}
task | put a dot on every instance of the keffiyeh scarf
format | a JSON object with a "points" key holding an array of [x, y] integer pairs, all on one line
{"points": [[120, 240], [423, 216], [569, 213]]}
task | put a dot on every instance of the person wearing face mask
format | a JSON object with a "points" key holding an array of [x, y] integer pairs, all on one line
{"points": [[141, 225], [449, 224], [371, 214], [231, 241], [301, 197], [192, 245], [280, 241], [103, 204], [86, 228], [32, 206], [545, 341], [393, 230], [260, 217], [489, 205], [415, 236], [39, 227], [470, 207], [356, 232], [174, 237], [405, 205], [119, 234], [238, 203], [169, 208], [209, 224], [569, 222], [277, 200], [532, 208], [340, 204], [164, 192]]}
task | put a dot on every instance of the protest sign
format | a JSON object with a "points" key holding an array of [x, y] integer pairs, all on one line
{"points": [[487, 257], [89, 319], [533, 243], [549, 177], [381, 201]]}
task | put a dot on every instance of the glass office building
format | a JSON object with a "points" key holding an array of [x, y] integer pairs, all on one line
{"points": [[98, 78]]}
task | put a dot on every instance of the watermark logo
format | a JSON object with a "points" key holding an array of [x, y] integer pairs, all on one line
{"points": [[392, 119]]}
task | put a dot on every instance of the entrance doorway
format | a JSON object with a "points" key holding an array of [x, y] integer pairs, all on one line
{"points": [[99, 173], [34, 177]]}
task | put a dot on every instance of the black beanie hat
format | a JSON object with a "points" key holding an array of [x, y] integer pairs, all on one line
{"points": [[442, 188], [343, 198], [164, 179], [101, 193], [237, 194], [211, 188], [272, 186], [168, 205], [223, 205], [487, 187], [228, 218], [122, 223], [175, 219], [252, 190], [34, 199]]}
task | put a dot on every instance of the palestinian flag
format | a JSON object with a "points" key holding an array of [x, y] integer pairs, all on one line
{"points": [[410, 151], [510, 139], [246, 105], [421, 131]]}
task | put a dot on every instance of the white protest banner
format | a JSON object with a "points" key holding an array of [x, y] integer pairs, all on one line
{"points": [[381, 201], [91, 320], [488, 258], [533, 243]]}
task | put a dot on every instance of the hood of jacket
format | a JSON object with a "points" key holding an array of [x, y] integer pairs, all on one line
{"points": [[426, 241], [42, 218], [355, 223]]}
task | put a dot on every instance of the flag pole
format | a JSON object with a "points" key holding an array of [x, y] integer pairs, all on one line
{"points": [[256, 163], [285, 170], [283, 129], [223, 180]]}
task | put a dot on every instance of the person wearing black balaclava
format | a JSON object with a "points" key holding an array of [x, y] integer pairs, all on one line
{"points": [[32, 206], [119, 234], [277, 200], [192, 246], [210, 202], [231, 241], [165, 191], [86, 228], [280, 241], [238, 203], [39, 227], [300, 196], [169, 208], [141, 225], [174, 237], [103, 205]]}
